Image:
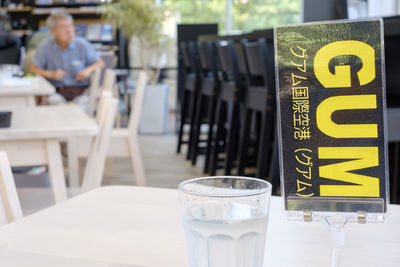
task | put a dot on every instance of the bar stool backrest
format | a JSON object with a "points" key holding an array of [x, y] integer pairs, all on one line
{"points": [[185, 54], [259, 62], [267, 47], [204, 55], [254, 61], [237, 46], [208, 60], [189, 54], [225, 56], [229, 63]]}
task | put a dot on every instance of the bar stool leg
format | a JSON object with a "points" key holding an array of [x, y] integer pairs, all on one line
{"points": [[244, 143], [274, 172], [263, 153], [196, 129], [220, 115], [192, 109], [231, 149], [183, 113], [396, 177], [210, 134]]}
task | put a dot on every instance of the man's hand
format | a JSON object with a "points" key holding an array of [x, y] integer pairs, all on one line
{"points": [[58, 74], [83, 75]]}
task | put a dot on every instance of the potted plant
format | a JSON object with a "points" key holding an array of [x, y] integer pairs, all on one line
{"points": [[139, 19]]}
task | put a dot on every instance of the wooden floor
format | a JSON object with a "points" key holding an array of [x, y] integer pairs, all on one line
{"points": [[164, 168]]}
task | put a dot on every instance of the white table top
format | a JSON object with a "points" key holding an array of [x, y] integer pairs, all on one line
{"points": [[136, 226], [48, 122], [26, 86]]}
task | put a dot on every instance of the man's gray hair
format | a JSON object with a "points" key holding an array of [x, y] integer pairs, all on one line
{"points": [[52, 20]]}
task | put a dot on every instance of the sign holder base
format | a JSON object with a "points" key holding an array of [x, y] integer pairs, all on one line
{"points": [[335, 226]]}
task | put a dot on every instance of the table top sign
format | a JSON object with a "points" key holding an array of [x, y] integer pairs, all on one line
{"points": [[332, 119]]}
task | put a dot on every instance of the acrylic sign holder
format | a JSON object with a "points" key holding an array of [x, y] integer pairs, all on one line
{"points": [[310, 193]]}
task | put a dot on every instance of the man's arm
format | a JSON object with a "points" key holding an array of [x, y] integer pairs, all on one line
{"points": [[48, 74], [86, 72]]}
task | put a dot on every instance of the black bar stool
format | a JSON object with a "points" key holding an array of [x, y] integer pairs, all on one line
{"points": [[259, 108], [206, 102], [274, 172], [394, 159], [228, 106], [190, 88]]}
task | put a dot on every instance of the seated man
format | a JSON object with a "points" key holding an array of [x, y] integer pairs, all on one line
{"points": [[66, 61]]}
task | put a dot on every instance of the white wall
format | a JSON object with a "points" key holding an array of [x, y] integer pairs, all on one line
{"points": [[383, 8], [357, 9]]}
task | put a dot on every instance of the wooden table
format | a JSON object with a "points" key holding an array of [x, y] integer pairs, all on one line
{"points": [[138, 226], [34, 134], [22, 91]]}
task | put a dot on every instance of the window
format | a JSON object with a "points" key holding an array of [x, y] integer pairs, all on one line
{"points": [[242, 15], [249, 15]]}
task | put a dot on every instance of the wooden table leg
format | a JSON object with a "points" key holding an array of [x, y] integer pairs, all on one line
{"points": [[56, 170], [137, 162], [30, 101], [73, 162]]}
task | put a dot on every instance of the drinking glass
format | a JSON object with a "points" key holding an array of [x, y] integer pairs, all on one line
{"points": [[225, 220]]}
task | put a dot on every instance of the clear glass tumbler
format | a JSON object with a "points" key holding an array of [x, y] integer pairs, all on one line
{"points": [[225, 220]]}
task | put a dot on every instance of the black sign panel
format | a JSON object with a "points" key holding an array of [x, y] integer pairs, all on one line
{"points": [[331, 106]]}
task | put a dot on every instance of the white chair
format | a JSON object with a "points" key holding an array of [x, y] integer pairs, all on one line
{"points": [[108, 81], [94, 91], [96, 148], [36, 199], [94, 169], [33, 199], [10, 209], [109, 84], [124, 141]]}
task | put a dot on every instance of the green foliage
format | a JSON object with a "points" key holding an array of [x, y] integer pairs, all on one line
{"points": [[251, 15], [198, 11], [136, 18], [314, 37], [248, 15]]}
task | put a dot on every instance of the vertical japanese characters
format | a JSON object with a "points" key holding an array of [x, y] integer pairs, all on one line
{"points": [[300, 96], [357, 185], [301, 120]]}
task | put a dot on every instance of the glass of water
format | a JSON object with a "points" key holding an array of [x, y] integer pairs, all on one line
{"points": [[225, 220]]}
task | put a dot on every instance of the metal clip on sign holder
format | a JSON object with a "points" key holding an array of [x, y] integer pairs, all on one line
{"points": [[332, 129]]}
